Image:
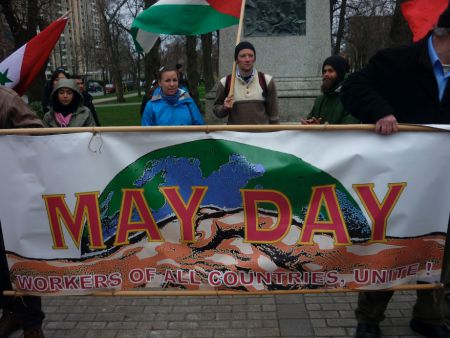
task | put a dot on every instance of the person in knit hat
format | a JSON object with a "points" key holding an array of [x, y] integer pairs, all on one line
{"points": [[328, 107], [405, 85], [254, 100]]}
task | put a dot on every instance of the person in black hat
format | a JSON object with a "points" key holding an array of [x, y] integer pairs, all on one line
{"points": [[328, 107], [404, 85], [254, 100]]}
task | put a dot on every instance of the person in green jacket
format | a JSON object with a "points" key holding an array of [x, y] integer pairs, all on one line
{"points": [[66, 107], [328, 107]]}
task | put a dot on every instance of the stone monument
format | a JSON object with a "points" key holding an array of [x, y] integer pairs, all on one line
{"points": [[292, 38]]}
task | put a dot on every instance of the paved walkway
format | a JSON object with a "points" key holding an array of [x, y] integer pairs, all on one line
{"points": [[112, 98], [125, 104], [287, 316]]}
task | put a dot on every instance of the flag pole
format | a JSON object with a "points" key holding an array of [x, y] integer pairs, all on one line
{"points": [[238, 39], [66, 15]]}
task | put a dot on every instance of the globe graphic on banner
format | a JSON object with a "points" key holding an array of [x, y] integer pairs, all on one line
{"points": [[224, 167]]}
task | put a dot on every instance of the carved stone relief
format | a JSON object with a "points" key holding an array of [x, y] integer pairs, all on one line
{"points": [[275, 18]]}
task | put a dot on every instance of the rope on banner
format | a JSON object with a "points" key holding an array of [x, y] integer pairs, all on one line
{"points": [[96, 138]]}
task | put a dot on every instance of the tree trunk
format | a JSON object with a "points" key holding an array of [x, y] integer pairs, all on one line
{"points": [[332, 6], [192, 72], [152, 60], [152, 63], [341, 26], [111, 50], [139, 74], [208, 75]]}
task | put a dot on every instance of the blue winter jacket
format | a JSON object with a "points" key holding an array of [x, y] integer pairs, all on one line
{"points": [[183, 113]]}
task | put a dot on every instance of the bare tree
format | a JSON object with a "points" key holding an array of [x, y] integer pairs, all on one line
{"points": [[174, 50], [110, 35], [23, 18], [152, 60], [207, 46], [362, 27], [134, 56], [192, 70], [341, 26]]}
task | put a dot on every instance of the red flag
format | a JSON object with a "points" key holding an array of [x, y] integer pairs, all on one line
{"points": [[230, 7], [422, 15], [19, 69]]}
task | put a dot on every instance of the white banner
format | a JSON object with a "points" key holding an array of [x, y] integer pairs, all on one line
{"points": [[224, 210]]}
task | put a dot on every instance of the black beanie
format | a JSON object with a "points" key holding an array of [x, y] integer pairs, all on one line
{"points": [[444, 19], [243, 45], [339, 64]]}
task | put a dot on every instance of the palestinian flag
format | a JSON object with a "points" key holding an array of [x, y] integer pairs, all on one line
{"points": [[19, 69], [422, 15], [183, 17]]}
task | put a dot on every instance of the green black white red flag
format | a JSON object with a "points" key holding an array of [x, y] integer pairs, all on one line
{"points": [[183, 17], [19, 69]]}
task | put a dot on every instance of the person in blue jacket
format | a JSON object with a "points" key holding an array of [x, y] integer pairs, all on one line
{"points": [[172, 106]]}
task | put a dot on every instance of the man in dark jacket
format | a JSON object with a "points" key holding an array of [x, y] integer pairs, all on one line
{"points": [[328, 107], [87, 98], [18, 312], [404, 85]]}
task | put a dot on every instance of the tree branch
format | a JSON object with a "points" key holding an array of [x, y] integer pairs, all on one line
{"points": [[114, 14]]}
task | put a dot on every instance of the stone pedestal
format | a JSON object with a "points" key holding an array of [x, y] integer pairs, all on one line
{"points": [[295, 61]]}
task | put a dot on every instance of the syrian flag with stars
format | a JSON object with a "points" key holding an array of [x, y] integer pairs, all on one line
{"points": [[19, 69]]}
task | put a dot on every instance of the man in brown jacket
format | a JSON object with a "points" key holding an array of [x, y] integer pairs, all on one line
{"points": [[18, 312], [254, 100]]}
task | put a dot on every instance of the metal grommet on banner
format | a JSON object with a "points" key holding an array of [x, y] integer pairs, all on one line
{"points": [[96, 143]]}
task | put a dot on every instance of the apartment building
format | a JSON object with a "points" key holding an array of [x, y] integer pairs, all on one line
{"points": [[79, 50]]}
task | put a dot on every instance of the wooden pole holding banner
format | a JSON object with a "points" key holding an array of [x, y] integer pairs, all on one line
{"points": [[213, 128], [238, 39], [407, 287]]}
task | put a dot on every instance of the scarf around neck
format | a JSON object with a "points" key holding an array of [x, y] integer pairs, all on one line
{"points": [[246, 79], [171, 99]]}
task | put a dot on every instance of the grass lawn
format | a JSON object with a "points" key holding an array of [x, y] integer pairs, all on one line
{"points": [[201, 91], [119, 116], [113, 95], [134, 99], [127, 100]]}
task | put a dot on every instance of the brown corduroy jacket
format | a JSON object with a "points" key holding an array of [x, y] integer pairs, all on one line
{"points": [[14, 113]]}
